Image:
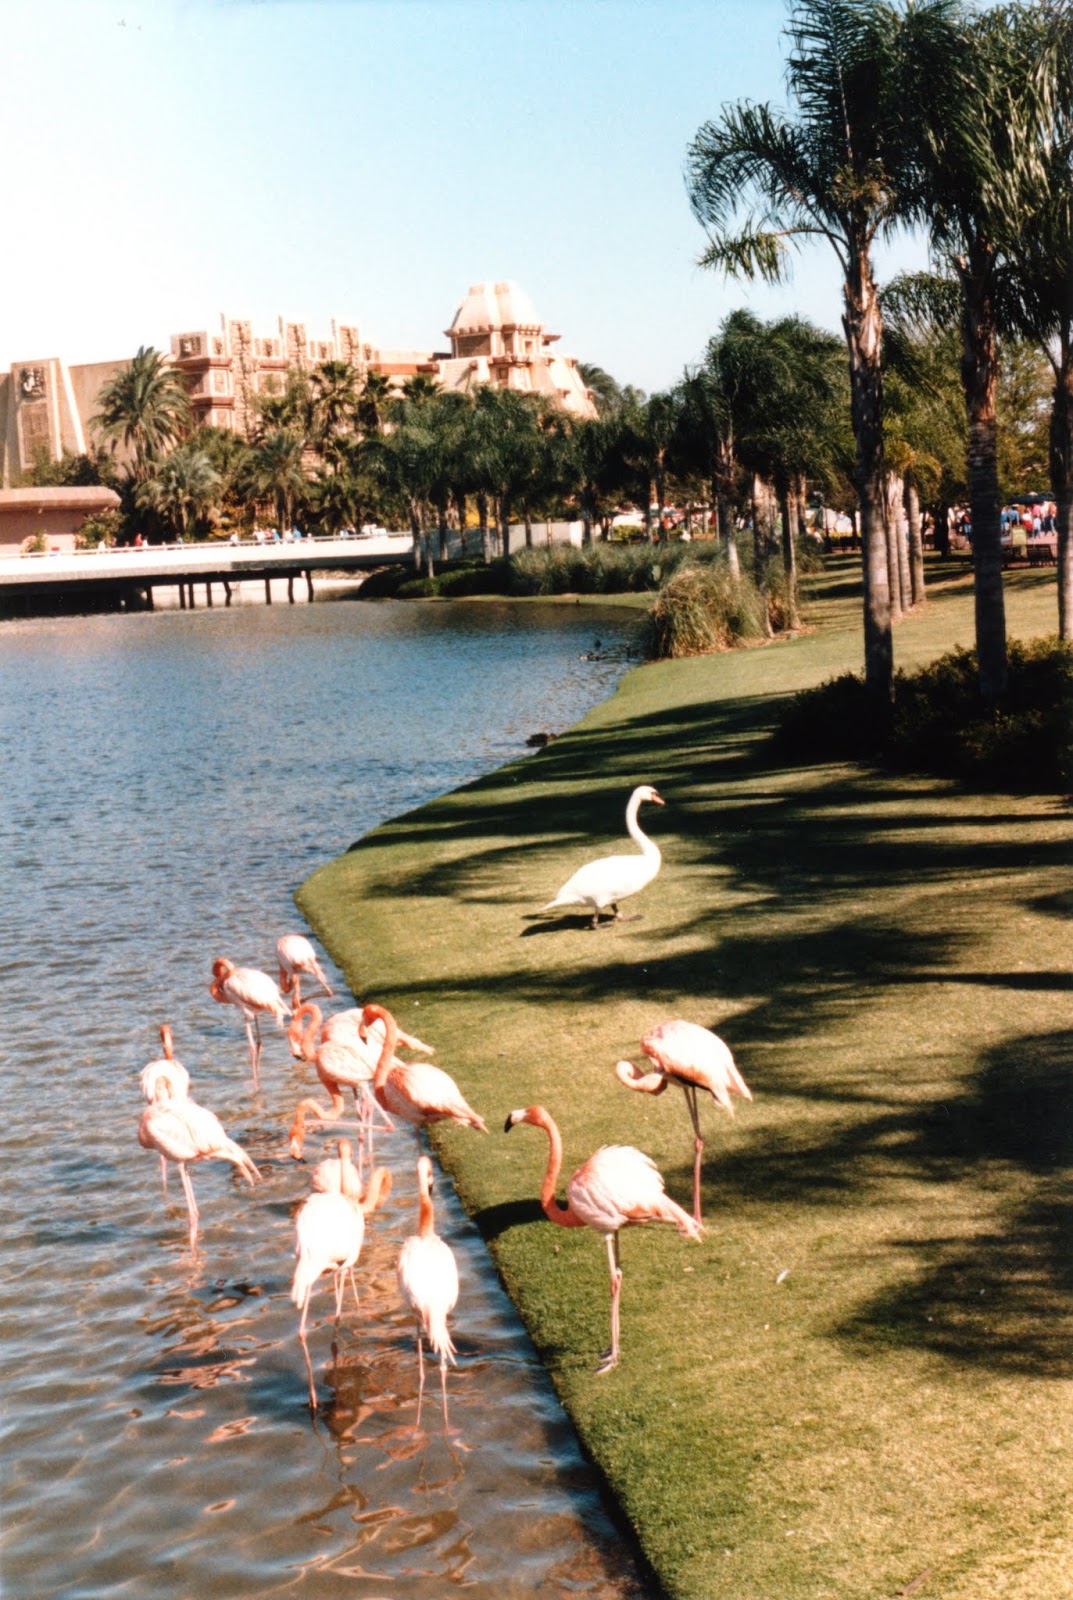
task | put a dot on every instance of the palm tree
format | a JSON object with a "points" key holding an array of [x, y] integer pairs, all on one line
{"points": [[145, 409], [372, 405], [333, 399], [981, 172], [272, 471], [183, 488], [855, 71]]}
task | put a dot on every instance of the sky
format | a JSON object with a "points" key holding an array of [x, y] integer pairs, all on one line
{"points": [[169, 160]]}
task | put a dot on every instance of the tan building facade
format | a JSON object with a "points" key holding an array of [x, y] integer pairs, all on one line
{"points": [[496, 337]]}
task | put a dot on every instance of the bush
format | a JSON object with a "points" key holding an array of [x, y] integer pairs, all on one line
{"points": [[601, 568], [701, 608], [940, 725]]}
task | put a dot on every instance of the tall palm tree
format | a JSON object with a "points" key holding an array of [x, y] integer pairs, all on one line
{"points": [[758, 178], [272, 471], [333, 399], [982, 164], [144, 409], [373, 400], [183, 488]]}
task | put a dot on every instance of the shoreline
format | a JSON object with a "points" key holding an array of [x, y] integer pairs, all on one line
{"points": [[783, 920]]}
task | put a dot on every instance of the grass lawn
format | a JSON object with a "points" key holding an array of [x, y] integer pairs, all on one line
{"points": [[858, 1385]]}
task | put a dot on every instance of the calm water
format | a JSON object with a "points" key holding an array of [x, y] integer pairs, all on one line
{"points": [[169, 780]]}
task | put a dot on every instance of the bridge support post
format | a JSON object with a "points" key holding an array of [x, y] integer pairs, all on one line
{"points": [[182, 596], [309, 583], [227, 593], [208, 594], [290, 589], [268, 591]]}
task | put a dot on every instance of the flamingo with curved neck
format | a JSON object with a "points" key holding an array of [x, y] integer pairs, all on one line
{"points": [[297, 957], [414, 1090], [602, 884], [166, 1070], [616, 1187], [694, 1058]]}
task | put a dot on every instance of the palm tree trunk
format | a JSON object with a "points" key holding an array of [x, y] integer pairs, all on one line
{"points": [[864, 339], [979, 371], [486, 532], [504, 525], [442, 528], [1062, 488], [728, 532], [789, 554], [916, 544], [760, 504]]}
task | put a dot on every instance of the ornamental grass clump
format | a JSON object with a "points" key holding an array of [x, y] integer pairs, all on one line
{"points": [[699, 609]]}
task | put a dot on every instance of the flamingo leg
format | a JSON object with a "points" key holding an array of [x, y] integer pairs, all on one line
{"points": [[698, 1145], [610, 1360], [191, 1203], [164, 1175], [297, 991], [253, 1040], [420, 1374], [305, 1352], [443, 1388], [340, 1286], [354, 1288]]}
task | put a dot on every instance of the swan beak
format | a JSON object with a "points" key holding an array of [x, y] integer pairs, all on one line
{"points": [[657, 799]]}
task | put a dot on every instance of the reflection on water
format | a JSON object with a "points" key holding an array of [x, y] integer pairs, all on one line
{"points": [[169, 780]]}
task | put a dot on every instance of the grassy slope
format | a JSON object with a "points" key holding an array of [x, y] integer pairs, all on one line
{"points": [[888, 961]]}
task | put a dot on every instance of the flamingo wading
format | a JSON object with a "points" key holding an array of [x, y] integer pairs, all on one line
{"points": [[297, 957], [600, 885], [167, 1070], [428, 1282], [329, 1233], [183, 1132], [252, 992], [694, 1058], [414, 1090], [615, 1187]]}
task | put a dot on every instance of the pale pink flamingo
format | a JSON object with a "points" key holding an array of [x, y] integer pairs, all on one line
{"points": [[182, 1131], [694, 1058], [601, 884], [615, 1187], [165, 1069], [414, 1090], [296, 957], [428, 1282], [329, 1233], [252, 992]]}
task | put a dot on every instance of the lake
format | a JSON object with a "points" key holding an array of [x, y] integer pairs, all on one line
{"points": [[169, 781]]}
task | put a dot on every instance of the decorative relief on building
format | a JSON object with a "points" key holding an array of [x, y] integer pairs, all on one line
{"points": [[31, 384], [189, 345]]}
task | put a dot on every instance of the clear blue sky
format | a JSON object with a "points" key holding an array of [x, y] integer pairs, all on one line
{"points": [[369, 159]]}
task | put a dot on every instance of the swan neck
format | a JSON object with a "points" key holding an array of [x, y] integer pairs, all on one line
{"points": [[646, 846]]}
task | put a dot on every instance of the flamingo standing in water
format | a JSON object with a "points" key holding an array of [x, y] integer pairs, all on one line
{"points": [[414, 1090], [165, 1069], [694, 1058], [602, 884], [615, 1187], [252, 992], [329, 1233], [428, 1282], [183, 1132], [297, 956], [344, 1058]]}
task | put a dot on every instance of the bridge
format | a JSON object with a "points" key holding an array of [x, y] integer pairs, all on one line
{"points": [[127, 577]]}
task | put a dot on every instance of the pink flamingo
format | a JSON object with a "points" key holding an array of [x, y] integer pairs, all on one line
{"points": [[414, 1090], [183, 1132], [428, 1282], [297, 956], [252, 992], [344, 1058], [694, 1058], [615, 1187], [167, 1070], [329, 1233]]}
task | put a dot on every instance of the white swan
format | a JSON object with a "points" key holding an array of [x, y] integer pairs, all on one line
{"points": [[602, 884]]}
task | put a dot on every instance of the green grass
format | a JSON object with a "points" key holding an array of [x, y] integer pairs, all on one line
{"points": [[888, 959]]}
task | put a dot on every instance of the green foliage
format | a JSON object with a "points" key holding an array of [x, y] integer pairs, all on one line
{"points": [[594, 569], [942, 726], [106, 525], [701, 608]]}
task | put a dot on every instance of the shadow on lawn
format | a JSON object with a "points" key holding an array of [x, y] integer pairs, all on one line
{"points": [[1004, 1298]]}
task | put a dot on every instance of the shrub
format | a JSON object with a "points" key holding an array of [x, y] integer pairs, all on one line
{"points": [[700, 609], [940, 724]]}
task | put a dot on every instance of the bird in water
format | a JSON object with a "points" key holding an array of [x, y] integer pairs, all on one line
{"points": [[694, 1058], [297, 957], [344, 1058], [252, 992], [616, 1187], [428, 1282], [329, 1233], [414, 1090], [601, 884], [167, 1070], [184, 1132]]}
